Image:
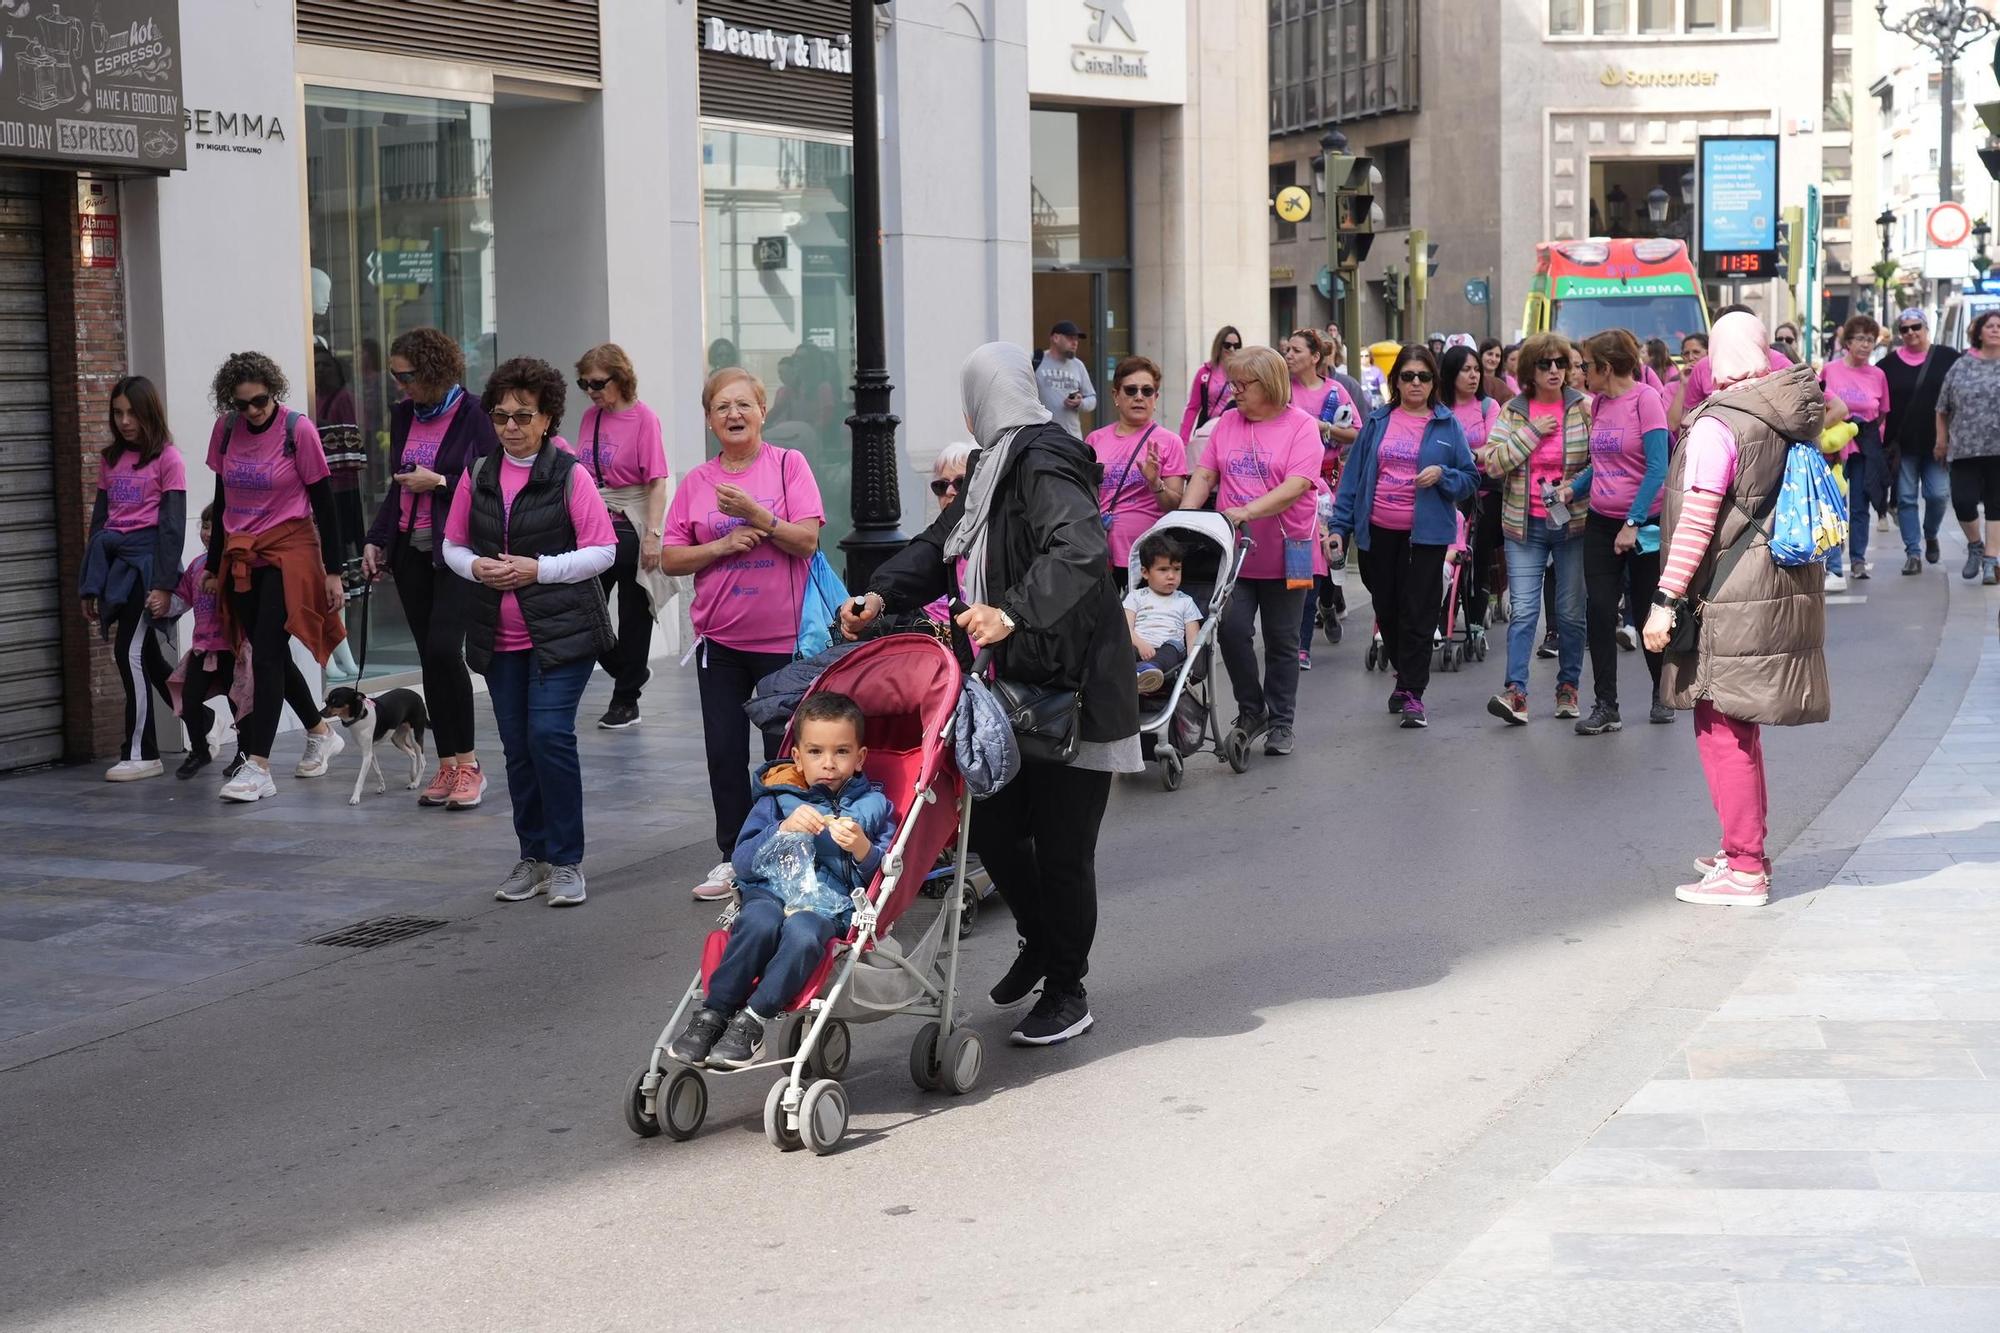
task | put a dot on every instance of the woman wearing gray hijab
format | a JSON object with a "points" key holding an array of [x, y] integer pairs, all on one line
{"points": [[1023, 546]]}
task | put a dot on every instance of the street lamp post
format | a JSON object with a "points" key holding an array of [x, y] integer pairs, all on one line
{"points": [[1981, 261], [1885, 267], [875, 499], [1944, 28]]}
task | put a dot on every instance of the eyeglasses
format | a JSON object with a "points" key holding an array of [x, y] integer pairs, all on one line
{"points": [[1241, 387], [1413, 377], [402, 376], [1137, 390], [1909, 328], [503, 418], [1232, 347], [592, 386], [257, 404], [1552, 363], [943, 486]]}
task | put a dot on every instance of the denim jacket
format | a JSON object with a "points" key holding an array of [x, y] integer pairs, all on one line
{"points": [[1443, 446]]}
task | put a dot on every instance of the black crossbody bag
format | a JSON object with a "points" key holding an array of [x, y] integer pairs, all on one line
{"points": [[1045, 719], [1686, 636]]}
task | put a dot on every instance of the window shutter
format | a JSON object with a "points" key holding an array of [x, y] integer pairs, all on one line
{"points": [[546, 36], [735, 87]]}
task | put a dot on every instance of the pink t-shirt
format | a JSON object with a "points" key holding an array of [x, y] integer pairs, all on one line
{"points": [[1865, 389], [1546, 462], [265, 488], [587, 516], [208, 635], [749, 602], [132, 493], [1618, 448], [1252, 459], [1652, 379], [1396, 471], [1310, 401], [1476, 419], [422, 449], [1711, 457], [1701, 378], [1123, 493], [622, 448]]}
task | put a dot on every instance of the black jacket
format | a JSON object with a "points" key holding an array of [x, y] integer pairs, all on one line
{"points": [[468, 439], [567, 621], [1048, 566], [1912, 421]]}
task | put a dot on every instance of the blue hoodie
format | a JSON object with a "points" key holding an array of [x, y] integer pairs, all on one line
{"points": [[781, 789]]}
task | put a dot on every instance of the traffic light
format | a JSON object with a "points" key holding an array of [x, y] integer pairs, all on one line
{"points": [[1354, 214], [1420, 265], [1989, 112], [1791, 241]]}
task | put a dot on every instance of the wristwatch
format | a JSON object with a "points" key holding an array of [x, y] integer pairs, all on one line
{"points": [[1663, 598], [1007, 620]]}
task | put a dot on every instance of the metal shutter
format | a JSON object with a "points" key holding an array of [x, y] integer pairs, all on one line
{"points": [[31, 679], [551, 36], [735, 88]]}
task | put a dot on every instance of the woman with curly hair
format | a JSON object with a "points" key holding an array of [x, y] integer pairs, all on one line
{"points": [[528, 530], [435, 434], [274, 539]]}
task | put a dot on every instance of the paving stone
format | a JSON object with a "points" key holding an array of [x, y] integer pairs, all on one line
{"points": [[1455, 1305], [1717, 1169], [1549, 1208], [1744, 1096], [1957, 1262], [1779, 1308], [1882, 1213], [1884, 1063], [1975, 1171]]}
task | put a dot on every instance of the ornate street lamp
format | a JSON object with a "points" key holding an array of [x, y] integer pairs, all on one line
{"points": [[1944, 28], [1885, 267], [1656, 206], [1616, 206], [1981, 261]]}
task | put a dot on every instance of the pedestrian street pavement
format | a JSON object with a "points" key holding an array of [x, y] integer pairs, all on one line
{"points": [[1824, 1153]]}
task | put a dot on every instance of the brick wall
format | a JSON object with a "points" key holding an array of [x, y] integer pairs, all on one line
{"points": [[86, 358]]}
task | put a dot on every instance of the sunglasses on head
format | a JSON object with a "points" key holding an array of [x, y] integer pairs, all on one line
{"points": [[1413, 377], [1137, 390], [593, 386], [1552, 363], [941, 485], [501, 418], [257, 404]]}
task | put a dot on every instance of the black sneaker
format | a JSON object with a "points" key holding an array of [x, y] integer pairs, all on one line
{"points": [[1603, 717], [1020, 981], [1333, 629], [235, 765], [619, 715], [1251, 725], [741, 1042], [1548, 648], [1912, 565], [196, 761], [1056, 1017], [1278, 740], [694, 1044], [1932, 551]]}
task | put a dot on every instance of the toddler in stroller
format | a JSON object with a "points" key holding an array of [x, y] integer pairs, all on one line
{"points": [[1164, 621], [815, 834]]}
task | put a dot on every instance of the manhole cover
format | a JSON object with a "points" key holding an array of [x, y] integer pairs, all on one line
{"points": [[377, 931]]}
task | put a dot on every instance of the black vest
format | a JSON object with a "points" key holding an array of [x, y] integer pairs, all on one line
{"points": [[567, 621]]}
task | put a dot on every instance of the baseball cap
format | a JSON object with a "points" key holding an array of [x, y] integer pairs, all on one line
{"points": [[1067, 329], [1913, 316]]}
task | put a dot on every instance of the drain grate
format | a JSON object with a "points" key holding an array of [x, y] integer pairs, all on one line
{"points": [[377, 931]]}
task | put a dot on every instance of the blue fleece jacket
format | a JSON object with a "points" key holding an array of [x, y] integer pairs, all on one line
{"points": [[781, 789], [1436, 518]]}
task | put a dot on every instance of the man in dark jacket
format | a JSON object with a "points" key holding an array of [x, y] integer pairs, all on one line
{"points": [[1915, 370]]}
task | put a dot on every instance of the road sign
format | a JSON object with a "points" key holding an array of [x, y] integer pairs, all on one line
{"points": [[1948, 225], [1294, 204], [1475, 291], [386, 267]]}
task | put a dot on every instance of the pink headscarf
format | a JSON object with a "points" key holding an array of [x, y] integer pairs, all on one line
{"points": [[1739, 349]]}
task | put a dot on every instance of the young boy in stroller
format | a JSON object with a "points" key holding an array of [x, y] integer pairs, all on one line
{"points": [[791, 907], [1163, 620]]}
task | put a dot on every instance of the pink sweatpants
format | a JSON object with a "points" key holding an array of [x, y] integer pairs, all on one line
{"points": [[1732, 758]]}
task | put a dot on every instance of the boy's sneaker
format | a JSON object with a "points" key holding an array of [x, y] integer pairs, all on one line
{"points": [[740, 1043], [1151, 678], [467, 788], [1020, 981], [698, 1038], [720, 884], [1727, 888], [1278, 740], [1628, 638], [1566, 702], [134, 770], [1413, 712], [1056, 1017], [565, 886], [1603, 717], [1397, 698], [196, 761], [524, 881], [442, 782], [1510, 706], [322, 748], [251, 783], [1661, 714]]}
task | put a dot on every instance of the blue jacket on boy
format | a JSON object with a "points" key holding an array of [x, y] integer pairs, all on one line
{"points": [[781, 789], [1443, 446]]}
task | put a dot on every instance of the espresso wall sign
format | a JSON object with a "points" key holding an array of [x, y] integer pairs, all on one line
{"points": [[102, 91]]}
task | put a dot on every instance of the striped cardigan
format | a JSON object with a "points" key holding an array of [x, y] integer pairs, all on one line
{"points": [[1511, 443]]}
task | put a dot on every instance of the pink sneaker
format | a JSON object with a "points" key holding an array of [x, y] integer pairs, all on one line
{"points": [[441, 784], [1728, 888], [1706, 865], [467, 791]]}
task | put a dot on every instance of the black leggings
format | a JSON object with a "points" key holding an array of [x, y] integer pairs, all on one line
{"points": [[1604, 572], [626, 662], [436, 602], [1037, 837], [1488, 541], [1406, 581], [276, 677], [1975, 483], [196, 688], [726, 677], [142, 670]]}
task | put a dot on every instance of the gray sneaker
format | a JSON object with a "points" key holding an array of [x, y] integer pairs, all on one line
{"points": [[1661, 714], [527, 879], [1278, 740], [565, 886], [1975, 560]]}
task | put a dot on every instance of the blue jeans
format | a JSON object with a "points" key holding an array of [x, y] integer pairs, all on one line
{"points": [[767, 949], [536, 713], [1859, 520], [1527, 559], [1935, 480]]}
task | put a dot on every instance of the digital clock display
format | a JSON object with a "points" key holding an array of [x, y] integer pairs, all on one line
{"points": [[1741, 263]]}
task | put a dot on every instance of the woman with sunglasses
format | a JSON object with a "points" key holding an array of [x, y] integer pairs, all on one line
{"points": [[436, 432], [274, 538], [1540, 441], [620, 441], [1208, 394], [1915, 370], [528, 532], [1858, 382], [1398, 502], [1145, 465], [1260, 463], [947, 476]]}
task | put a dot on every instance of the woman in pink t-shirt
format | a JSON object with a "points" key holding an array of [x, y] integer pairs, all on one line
{"points": [[1260, 464], [746, 525], [528, 530], [1145, 464], [1859, 383], [1208, 393], [137, 526], [620, 440]]}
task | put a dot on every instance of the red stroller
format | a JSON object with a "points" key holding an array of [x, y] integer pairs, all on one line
{"points": [[907, 685]]}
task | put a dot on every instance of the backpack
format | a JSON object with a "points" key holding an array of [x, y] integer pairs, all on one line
{"points": [[1811, 515], [291, 423]]}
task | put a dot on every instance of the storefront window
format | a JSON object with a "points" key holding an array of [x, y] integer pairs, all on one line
{"points": [[780, 291], [400, 215]]}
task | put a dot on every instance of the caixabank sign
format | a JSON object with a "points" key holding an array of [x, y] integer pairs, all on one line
{"points": [[100, 89]]}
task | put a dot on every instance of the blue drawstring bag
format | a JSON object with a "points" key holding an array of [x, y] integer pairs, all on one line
{"points": [[819, 607], [1811, 516]]}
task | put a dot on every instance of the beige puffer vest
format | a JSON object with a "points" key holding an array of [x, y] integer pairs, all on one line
{"points": [[1760, 658]]}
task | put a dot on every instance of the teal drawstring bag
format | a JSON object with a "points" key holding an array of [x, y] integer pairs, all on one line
{"points": [[819, 607], [1811, 516]]}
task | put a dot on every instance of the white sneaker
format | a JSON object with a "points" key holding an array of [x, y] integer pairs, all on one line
{"points": [[565, 886], [321, 749], [720, 884], [1836, 583], [251, 783], [132, 770]]}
